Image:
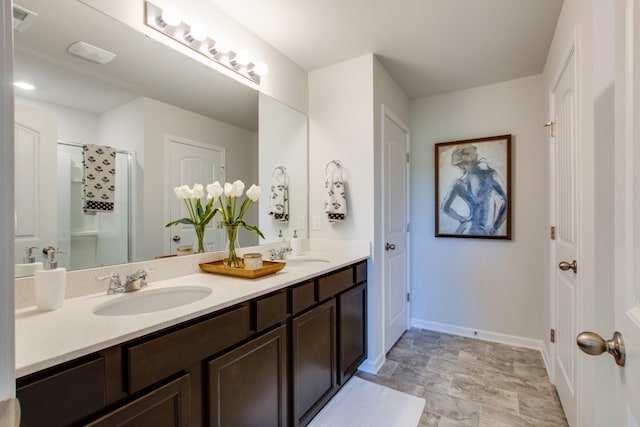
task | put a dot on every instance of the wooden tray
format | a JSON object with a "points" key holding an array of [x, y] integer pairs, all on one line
{"points": [[218, 267]]}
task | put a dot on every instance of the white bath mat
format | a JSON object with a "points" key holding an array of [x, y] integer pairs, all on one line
{"points": [[363, 403]]}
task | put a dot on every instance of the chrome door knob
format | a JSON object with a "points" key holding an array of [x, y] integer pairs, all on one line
{"points": [[389, 247], [593, 344], [176, 239], [564, 266]]}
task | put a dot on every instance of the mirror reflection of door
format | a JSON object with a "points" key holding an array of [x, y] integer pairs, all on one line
{"points": [[36, 133], [193, 162]]}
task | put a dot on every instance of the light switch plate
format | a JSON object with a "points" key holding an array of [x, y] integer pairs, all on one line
{"points": [[316, 222]]}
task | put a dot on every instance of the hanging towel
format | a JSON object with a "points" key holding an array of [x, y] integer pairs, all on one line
{"points": [[279, 201], [335, 202], [99, 180]]}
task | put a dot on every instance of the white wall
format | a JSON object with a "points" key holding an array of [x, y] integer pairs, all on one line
{"points": [[285, 81], [7, 356], [483, 285], [345, 103], [162, 119]]}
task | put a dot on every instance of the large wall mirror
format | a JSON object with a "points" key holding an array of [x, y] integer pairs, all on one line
{"points": [[171, 119]]}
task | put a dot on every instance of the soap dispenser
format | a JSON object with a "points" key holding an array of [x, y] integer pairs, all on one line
{"points": [[296, 244], [29, 265], [50, 283]]}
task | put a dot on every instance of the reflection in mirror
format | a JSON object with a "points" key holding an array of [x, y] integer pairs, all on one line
{"points": [[149, 100], [283, 170]]}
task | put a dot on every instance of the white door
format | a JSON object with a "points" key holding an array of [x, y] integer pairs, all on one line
{"points": [[396, 289], [627, 227], [564, 153], [190, 163], [36, 215]]}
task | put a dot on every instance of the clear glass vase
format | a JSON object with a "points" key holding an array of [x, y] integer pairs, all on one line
{"points": [[232, 235], [199, 245]]}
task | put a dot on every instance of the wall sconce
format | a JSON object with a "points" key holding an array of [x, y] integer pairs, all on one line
{"points": [[169, 22]]}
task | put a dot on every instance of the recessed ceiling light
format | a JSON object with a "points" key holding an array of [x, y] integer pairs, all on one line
{"points": [[24, 85], [91, 53]]}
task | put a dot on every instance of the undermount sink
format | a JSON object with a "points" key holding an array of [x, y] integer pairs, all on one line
{"points": [[304, 260], [149, 301]]}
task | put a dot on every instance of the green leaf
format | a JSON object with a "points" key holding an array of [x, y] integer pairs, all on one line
{"points": [[181, 221], [251, 228]]}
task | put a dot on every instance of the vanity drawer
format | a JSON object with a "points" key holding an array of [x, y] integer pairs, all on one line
{"points": [[302, 296], [62, 397], [335, 283], [270, 310], [156, 359]]}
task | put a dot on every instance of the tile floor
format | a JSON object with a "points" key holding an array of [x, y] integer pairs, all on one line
{"points": [[469, 382]]}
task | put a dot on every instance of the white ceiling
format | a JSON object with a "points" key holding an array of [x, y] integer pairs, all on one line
{"points": [[428, 46]]}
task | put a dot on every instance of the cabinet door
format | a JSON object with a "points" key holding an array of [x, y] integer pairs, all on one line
{"points": [[351, 331], [314, 365], [248, 386], [166, 406]]}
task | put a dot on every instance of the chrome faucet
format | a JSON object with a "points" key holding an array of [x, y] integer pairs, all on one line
{"points": [[137, 280], [278, 254], [115, 285], [133, 282]]}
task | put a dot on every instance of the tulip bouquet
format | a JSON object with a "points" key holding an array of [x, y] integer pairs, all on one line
{"points": [[200, 216], [230, 221]]}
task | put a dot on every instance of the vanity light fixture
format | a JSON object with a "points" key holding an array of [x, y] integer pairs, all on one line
{"points": [[168, 21]]}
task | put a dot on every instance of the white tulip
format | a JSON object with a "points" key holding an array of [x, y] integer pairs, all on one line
{"points": [[253, 193], [215, 190], [238, 188], [197, 192], [228, 189], [183, 192]]}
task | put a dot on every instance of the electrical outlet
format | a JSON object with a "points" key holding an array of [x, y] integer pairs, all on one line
{"points": [[316, 222]]}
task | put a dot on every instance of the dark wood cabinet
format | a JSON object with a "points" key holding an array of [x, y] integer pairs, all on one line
{"points": [[248, 386], [352, 334], [314, 361], [165, 406], [62, 395], [274, 360]]}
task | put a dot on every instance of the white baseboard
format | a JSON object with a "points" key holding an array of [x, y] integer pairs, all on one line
{"points": [[372, 366], [480, 334]]}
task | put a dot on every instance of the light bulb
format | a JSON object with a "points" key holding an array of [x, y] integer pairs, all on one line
{"points": [[222, 46], [260, 69], [198, 32], [242, 58], [171, 15]]}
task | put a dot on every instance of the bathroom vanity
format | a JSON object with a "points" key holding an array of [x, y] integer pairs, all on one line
{"points": [[267, 352]]}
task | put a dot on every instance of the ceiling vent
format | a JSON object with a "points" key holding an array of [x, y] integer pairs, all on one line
{"points": [[91, 53], [22, 18]]}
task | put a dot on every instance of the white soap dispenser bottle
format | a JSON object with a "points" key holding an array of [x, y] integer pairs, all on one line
{"points": [[50, 283], [296, 244]]}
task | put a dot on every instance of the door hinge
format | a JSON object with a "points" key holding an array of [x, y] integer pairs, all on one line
{"points": [[551, 126], [408, 297], [552, 335], [553, 233], [408, 157]]}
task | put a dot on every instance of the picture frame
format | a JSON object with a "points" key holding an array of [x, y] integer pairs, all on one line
{"points": [[473, 188]]}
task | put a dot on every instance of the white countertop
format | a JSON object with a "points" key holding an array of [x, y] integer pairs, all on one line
{"points": [[45, 339]]}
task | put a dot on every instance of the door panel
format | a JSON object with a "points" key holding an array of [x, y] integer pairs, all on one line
{"points": [[565, 154], [191, 163], [395, 137], [36, 214]]}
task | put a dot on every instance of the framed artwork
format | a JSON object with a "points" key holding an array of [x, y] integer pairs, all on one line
{"points": [[473, 188]]}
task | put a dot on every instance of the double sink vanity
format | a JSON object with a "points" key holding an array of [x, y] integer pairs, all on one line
{"points": [[198, 349]]}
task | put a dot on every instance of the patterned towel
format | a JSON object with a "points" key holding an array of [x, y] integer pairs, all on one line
{"points": [[279, 201], [335, 202], [99, 181]]}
